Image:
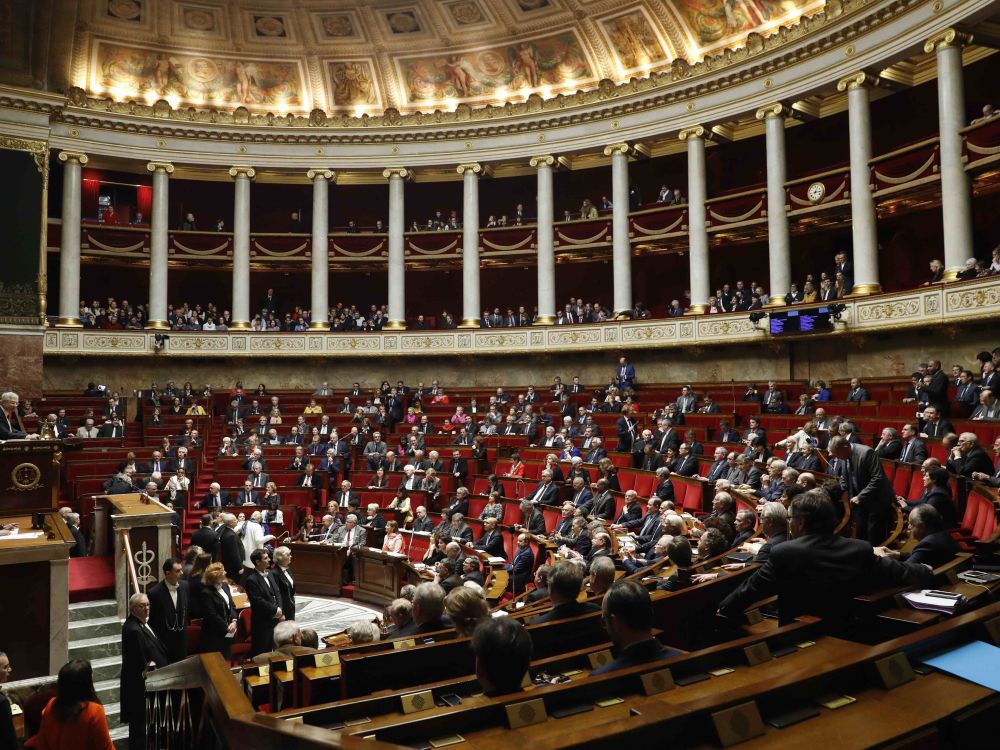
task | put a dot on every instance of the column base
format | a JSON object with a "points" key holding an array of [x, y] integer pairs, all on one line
{"points": [[470, 323], [69, 323], [545, 320], [157, 325], [951, 274], [776, 302], [319, 325], [239, 325], [863, 290], [696, 310], [395, 325]]}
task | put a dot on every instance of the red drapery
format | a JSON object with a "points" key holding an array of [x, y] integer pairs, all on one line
{"points": [[144, 195], [91, 189]]}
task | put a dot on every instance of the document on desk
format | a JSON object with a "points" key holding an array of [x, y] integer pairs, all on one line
{"points": [[23, 535], [977, 662]]}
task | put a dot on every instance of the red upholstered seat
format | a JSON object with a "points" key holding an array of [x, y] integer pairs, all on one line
{"points": [[901, 480], [645, 484], [980, 520], [626, 480], [916, 488]]}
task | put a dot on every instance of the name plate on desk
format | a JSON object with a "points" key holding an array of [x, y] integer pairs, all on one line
{"points": [[599, 658], [405, 643], [526, 713], [738, 724], [758, 653], [329, 659], [413, 702], [894, 670], [656, 682]]}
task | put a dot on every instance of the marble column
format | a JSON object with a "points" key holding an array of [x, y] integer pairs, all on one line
{"points": [[158, 257], [956, 193], [69, 250], [697, 219], [864, 229], [241, 248], [320, 300], [397, 260], [621, 250], [545, 241], [778, 242], [470, 244]]}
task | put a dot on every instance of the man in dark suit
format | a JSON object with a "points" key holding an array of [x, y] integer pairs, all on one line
{"points": [[281, 574], [913, 450], [937, 389], [857, 391], [581, 493], [720, 466], [686, 463], [428, 611], [631, 516], [935, 545], [142, 651], [817, 573], [866, 485], [565, 583], [345, 497], [991, 478], [205, 536], [626, 428], [80, 548], [726, 434], [889, 445], [934, 426], [168, 610], [967, 458], [265, 602], [158, 464], [112, 428], [491, 540], [458, 467], [231, 547], [603, 504], [248, 495], [545, 492], [625, 375], [628, 618], [522, 565], [215, 498]]}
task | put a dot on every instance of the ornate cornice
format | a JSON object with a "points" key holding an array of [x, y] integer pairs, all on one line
{"points": [[30, 145]]}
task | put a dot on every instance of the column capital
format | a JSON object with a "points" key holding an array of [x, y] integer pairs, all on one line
{"points": [[247, 172], [859, 80], [545, 160], [617, 148], [73, 156], [690, 133], [947, 38], [401, 172], [475, 168], [322, 173], [160, 166], [773, 110]]}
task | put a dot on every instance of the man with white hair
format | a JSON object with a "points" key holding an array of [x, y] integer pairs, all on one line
{"points": [[410, 479], [254, 537], [282, 574], [967, 457], [596, 451], [80, 548], [10, 421], [141, 651], [352, 537], [215, 498]]}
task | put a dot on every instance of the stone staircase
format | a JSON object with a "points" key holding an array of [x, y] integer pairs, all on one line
{"points": [[95, 635]]}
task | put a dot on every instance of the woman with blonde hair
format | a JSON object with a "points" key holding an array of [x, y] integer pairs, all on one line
{"points": [[467, 608], [401, 503], [218, 625]]}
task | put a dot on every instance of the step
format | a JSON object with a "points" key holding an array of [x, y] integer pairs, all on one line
{"points": [[119, 736], [108, 690], [96, 648], [107, 668], [90, 610], [98, 627]]}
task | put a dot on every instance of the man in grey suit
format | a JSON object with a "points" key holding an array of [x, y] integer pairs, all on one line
{"points": [[351, 536], [867, 486]]}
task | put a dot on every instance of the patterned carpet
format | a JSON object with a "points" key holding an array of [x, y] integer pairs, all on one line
{"points": [[328, 615]]}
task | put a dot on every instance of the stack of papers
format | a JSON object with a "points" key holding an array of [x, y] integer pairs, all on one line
{"points": [[923, 600]]}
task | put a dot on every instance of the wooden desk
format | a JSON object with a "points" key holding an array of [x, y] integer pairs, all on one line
{"points": [[319, 568], [35, 572], [380, 575]]}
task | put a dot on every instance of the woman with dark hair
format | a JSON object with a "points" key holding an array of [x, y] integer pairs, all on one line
{"points": [[195, 583], [74, 719]]}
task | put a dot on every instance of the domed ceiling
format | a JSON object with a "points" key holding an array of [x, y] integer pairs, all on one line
{"points": [[352, 56]]}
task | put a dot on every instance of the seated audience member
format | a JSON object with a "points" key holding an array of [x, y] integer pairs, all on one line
{"points": [[602, 575], [363, 631], [393, 541], [428, 607], [679, 553], [937, 494], [503, 652], [565, 582], [628, 618], [935, 545], [74, 718], [466, 608], [968, 458], [400, 613], [818, 573]]}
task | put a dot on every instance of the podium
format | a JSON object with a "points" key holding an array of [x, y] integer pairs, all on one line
{"points": [[138, 531], [30, 475], [318, 568], [380, 575]]}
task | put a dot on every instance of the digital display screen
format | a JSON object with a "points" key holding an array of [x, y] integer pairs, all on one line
{"points": [[801, 321]]}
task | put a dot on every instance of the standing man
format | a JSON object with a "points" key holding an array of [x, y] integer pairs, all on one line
{"points": [[142, 652], [232, 548], [168, 610], [265, 602], [866, 485], [625, 375], [282, 575]]}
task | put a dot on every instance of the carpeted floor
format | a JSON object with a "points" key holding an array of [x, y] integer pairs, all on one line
{"points": [[328, 616], [91, 578]]}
